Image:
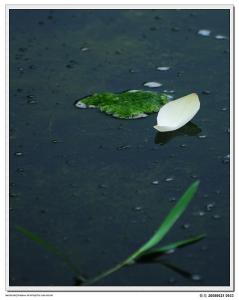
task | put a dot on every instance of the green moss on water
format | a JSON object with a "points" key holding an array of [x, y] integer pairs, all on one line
{"points": [[126, 105]]}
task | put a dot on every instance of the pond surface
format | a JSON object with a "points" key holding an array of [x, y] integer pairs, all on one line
{"points": [[97, 187]]}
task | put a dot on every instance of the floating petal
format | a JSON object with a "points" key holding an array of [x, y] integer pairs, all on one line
{"points": [[177, 113]]}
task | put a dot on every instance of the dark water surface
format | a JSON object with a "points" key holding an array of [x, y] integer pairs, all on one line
{"points": [[83, 180]]}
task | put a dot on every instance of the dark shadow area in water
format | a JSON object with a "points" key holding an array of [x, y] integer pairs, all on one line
{"points": [[190, 129]]}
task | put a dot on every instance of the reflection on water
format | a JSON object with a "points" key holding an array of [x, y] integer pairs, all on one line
{"points": [[164, 137]]}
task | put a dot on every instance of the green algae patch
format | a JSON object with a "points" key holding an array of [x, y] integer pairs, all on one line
{"points": [[131, 104]]}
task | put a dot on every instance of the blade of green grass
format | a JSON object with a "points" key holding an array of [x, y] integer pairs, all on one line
{"points": [[49, 247], [169, 221], [151, 254]]}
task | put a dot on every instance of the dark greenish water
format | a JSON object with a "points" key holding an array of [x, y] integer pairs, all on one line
{"points": [[83, 180]]}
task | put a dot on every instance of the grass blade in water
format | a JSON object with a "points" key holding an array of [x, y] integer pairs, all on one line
{"points": [[151, 255], [50, 248], [169, 221]]}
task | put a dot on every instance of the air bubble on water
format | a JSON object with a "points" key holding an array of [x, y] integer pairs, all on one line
{"points": [[224, 109], [220, 37], [138, 208], [196, 277], [216, 216], [183, 145], [18, 153], [172, 199], [200, 213], [226, 159], [202, 136], [186, 226], [83, 49], [168, 179], [204, 32], [163, 68], [209, 206], [170, 251], [155, 182], [152, 84]]}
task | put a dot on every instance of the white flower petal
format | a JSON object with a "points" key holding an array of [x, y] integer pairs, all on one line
{"points": [[177, 113]]}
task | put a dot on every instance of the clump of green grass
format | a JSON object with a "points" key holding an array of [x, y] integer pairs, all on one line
{"points": [[132, 104], [147, 252]]}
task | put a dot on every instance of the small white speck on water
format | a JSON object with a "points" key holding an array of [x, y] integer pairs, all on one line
{"points": [[216, 216], [18, 153], [168, 179], [210, 206], [170, 251], [155, 182], [83, 49], [163, 68], [183, 145], [202, 136], [220, 37], [186, 226], [196, 277], [200, 213], [172, 199], [224, 109], [169, 91], [138, 208], [152, 84], [204, 32], [226, 159]]}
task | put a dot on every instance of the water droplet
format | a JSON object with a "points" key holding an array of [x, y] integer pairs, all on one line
{"points": [[199, 213], [172, 199], [152, 84], [209, 206], [155, 182], [186, 226], [202, 136], [224, 109], [216, 216], [226, 159], [220, 37], [170, 251], [168, 179], [183, 145], [138, 208], [18, 153], [123, 147], [163, 68], [204, 32], [83, 49], [196, 277], [31, 101]]}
